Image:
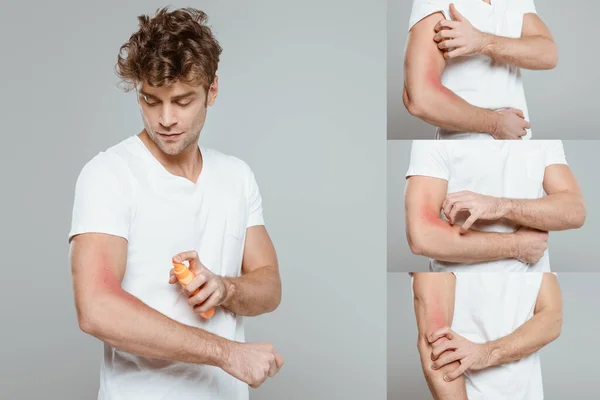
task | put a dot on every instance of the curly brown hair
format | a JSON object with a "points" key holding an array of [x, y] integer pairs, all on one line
{"points": [[171, 46]]}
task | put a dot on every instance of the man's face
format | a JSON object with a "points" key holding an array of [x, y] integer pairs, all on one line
{"points": [[174, 115]]}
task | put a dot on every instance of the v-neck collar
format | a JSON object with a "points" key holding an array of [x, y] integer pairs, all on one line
{"points": [[166, 172]]}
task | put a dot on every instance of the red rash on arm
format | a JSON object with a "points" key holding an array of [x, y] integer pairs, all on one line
{"points": [[433, 80]]}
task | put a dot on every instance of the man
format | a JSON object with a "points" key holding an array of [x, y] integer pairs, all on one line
{"points": [[156, 198], [463, 61], [487, 206], [499, 323]]}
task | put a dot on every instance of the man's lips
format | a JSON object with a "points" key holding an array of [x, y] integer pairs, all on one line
{"points": [[169, 134]]}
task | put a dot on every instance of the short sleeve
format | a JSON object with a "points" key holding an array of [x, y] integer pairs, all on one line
{"points": [[555, 153], [255, 213], [424, 8], [525, 6], [102, 202], [429, 158]]}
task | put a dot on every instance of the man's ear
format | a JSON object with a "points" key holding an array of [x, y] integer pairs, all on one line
{"points": [[213, 91]]}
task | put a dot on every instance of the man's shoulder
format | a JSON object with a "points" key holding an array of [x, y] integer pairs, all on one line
{"points": [[109, 162], [226, 163]]}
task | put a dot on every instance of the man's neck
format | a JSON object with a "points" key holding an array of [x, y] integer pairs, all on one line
{"points": [[187, 164]]}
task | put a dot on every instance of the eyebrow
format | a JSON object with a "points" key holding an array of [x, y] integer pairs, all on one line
{"points": [[178, 97]]}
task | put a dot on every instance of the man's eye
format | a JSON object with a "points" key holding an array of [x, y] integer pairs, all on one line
{"points": [[184, 104]]}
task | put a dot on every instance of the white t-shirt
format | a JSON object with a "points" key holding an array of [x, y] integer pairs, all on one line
{"points": [[478, 79], [488, 307], [511, 169], [126, 192]]}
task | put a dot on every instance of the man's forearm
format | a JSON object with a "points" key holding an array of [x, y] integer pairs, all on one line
{"points": [[555, 212], [529, 52], [439, 240], [440, 389], [126, 323], [254, 293], [434, 309], [530, 337], [439, 106]]}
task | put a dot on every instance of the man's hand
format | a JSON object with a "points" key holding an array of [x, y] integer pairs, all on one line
{"points": [[531, 245], [471, 355], [511, 125], [478, 205], [213, 290], [252, 363], [458, 37]]}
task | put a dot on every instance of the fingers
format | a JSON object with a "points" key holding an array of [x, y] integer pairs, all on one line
{"points": [[455, 53], [202, 295], [449, 44], [527, 124], [444, 34], [279, 360], [445, 24], [445, 331], [172, 276], [192, 257], [211, 302], [449, 377], [455, 14], [456, 208], [438, 348], [446, 359], [517, 112], [470, 221]]}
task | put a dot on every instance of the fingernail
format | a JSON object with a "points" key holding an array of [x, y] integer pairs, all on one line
{"points": [[432, 366], [446, 378]]}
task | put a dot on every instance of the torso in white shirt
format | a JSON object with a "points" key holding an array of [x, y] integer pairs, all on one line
{"points": [[125, 191], [509, 169], [479, 79]]}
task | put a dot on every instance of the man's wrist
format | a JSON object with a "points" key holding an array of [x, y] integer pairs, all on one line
{"points": [[219, 352], [492, 352], [505, 206], [487, 46], [495, 121], [230, 289]]}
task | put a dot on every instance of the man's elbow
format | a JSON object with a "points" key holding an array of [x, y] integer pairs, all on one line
{"points": [[550, 57], [556, 327], [417, 242], [580, 216], [85, 319], [415, 104]]}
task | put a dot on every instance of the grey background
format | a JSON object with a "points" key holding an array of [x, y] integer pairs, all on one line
{"points": [[562, 102], [570, 251], [569, 368], [290, 104]]}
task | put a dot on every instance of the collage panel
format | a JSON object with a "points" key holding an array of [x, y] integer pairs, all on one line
{"points": [[460, 69], [492, 335], [492, 205]]}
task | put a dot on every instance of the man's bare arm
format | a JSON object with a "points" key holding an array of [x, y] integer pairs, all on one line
{"points": [[258, 290], [424, 95], [111, 314], [429, 235], [543, 328], [535, 49], [434, 308], [562, 208]]}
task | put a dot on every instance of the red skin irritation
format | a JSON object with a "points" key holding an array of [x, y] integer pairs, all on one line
{"points": [[108, 282], [431, 218]]}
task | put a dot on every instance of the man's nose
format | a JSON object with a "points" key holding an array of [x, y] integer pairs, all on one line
{"points": [[167, 116]]}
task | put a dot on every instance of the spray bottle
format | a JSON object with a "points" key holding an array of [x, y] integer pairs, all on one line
{"points": [[185, 276]]}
